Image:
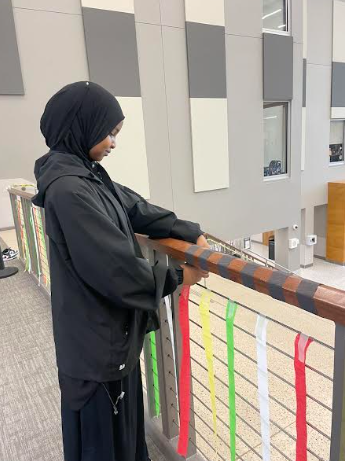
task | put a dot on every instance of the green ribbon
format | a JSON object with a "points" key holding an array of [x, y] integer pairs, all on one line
{"points": [[155, 371], [230, 318], [25, 242], [33, 227]]}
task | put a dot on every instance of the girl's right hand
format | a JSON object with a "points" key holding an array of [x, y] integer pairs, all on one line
{"points": [[193, 275]]}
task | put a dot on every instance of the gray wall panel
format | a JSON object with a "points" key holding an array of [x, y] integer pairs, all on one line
{"points": [[338, 84], [206, 60], [112, 53], [278, 67], [11, 81]]}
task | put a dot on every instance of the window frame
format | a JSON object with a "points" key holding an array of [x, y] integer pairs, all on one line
{"points": [[287, 106], [288, 19], [341, 162]]}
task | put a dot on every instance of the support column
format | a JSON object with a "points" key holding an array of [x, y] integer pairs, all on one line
{"points": [[288, 258], [307, 228]]}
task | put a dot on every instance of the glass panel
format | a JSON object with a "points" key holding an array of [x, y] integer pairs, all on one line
{"points": [[274, 15], [275, 140], [336, 141]]}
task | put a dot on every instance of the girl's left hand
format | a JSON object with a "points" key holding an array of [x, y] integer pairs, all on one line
{"points": [[202, 242]]}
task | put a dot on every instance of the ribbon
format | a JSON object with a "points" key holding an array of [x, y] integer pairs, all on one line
{"points": [[185, 377], [230, 318], [32, 221], [302, 342], [172, 339], [41, 245], [155, 371], [261, 350], [204, 308], [23, 234]]}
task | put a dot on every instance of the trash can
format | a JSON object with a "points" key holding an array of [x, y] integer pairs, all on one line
{"points": [[271, 251], [6, 271]]}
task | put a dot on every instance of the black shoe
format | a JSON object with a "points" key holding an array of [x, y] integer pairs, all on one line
{"points": [[9, 254]]}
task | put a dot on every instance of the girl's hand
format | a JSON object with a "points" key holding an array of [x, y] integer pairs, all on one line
{"points": [[193, 275], [202, 242]]}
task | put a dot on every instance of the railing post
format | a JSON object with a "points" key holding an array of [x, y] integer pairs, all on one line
{"points": [[166, 374], [338, 414], [149, 255], [178, 348], [30, 232]]}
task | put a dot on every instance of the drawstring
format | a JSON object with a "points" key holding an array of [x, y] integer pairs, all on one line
{"points": [[120, 397]]}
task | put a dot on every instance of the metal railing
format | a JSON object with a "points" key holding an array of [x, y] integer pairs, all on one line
{"points": [[248, 255], [290, 306]]}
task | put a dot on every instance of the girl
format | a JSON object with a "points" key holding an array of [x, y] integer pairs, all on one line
{"points": [[104, 294]]}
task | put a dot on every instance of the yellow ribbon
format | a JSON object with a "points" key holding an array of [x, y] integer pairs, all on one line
{"points": [[204, 308]]}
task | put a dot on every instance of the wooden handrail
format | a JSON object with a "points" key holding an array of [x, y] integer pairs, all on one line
{"points": [[321, 300], [21, 193]]}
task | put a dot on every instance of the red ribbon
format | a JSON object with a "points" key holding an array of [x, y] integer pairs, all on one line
{"points": [[302, 343], [185, 379]]}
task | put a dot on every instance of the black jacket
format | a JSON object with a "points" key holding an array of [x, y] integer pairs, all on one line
{"points": [[103, 290]]}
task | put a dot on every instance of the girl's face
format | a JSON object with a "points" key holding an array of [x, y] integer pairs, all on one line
{"points": [[103, 148]]}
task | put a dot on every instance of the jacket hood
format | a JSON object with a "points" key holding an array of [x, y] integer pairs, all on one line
{"points": [[53, 166]]}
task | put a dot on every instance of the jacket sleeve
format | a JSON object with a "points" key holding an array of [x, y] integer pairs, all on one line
{"points": [[154, 221], [102, 254]]}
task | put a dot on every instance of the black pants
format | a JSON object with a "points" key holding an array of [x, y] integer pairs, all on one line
{"points": [[95, 434]]}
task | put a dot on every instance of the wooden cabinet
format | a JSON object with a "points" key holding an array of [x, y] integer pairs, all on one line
{"points": [[266, 236], [335, 251]]}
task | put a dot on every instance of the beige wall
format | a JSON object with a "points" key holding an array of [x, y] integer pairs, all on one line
{"points": [[52, 53]]}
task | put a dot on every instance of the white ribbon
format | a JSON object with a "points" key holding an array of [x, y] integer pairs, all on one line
{"points": [[261, 350], [172, 339]]}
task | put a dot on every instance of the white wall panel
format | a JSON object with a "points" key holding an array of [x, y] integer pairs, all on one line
{"points": [[205, 11], [124, 6], [210, 144], [338, 112], [339, 32]]}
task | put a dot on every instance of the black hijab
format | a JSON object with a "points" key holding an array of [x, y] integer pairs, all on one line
{"points": [[78, 117]]}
